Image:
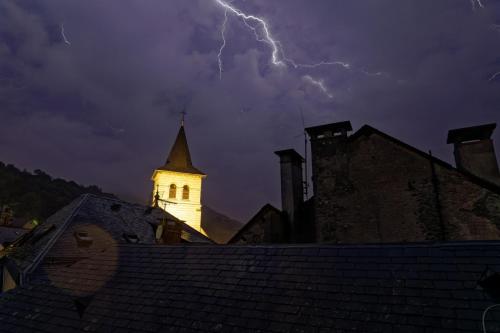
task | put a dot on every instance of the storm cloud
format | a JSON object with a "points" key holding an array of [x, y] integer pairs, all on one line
{"points": [[104, 109]]}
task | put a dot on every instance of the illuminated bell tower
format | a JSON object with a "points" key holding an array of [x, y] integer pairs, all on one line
{"points": [[177, 184]]}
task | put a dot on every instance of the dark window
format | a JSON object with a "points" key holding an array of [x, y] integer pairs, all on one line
{"points": [[173, 191], [185, 192]]}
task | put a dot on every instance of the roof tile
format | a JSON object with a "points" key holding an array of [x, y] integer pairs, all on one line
{"points": [[274, 288]]}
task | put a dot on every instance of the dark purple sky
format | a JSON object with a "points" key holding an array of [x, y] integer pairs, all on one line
{"points": [[105, 109]]}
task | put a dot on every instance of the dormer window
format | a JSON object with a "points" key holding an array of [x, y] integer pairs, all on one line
{"points": [[185, 192], [172, 193]]}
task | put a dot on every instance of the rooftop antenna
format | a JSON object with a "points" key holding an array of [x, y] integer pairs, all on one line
{"points": [[158, 199], [306, 180]]}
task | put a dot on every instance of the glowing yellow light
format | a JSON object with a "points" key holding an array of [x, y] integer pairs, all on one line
{"points": [[186, 206]]}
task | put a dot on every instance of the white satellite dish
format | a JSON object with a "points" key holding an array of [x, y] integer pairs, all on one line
{"points": [[159, 231]]}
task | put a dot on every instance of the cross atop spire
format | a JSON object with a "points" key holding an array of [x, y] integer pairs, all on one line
{"points": [[183, 115]]}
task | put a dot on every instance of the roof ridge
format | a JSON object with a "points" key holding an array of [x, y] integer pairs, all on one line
{"points": [[484, 183], [31, 267]]}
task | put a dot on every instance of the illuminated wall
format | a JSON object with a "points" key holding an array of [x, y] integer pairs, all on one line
{"points": [[188, 210]]}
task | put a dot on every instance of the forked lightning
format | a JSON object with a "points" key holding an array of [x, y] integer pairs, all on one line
{"points": [[262, 33]]}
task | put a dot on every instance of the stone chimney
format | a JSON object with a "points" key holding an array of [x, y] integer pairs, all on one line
{"points": [[474, 151], [169, 232], [330, 165], [292, 189], [328, 145]]}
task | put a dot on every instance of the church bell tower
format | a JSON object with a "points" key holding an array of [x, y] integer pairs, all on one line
{"points": [[177, 184]]}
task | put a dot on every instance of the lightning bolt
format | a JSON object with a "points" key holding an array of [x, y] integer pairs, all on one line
{"points": [[318, 83], [262, 32], [321, 63], [494, 76], [221, 49], [64, 35], [495, 27], [248, 20], [476, 4]]}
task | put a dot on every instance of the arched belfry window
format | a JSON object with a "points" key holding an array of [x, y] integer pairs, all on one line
{"points": [[185, 192], [172, 193]]}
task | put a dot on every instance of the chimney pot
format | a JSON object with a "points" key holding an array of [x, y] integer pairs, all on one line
{"points": [[169, 232], [474, 151], [292, 188]]}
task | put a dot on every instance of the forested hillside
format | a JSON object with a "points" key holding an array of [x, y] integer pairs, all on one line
{"points": [[37, 195]]}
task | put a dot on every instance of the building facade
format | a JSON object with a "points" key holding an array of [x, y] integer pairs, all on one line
{"points": [[370, 187]]}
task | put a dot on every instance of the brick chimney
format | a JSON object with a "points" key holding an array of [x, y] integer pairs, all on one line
{"points": [[474, 151], [292, 189]]}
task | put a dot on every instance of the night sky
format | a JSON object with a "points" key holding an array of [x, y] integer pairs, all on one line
{"points": [[104, 108]]}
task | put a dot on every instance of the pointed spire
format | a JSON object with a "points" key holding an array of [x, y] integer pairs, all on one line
{"points": [[179, 159]]}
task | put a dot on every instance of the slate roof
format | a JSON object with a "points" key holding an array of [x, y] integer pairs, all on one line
{"points": [[364, 288], [179, 159], [25, 255], [108, 220]]}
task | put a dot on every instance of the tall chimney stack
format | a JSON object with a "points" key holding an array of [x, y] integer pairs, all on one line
{"points": [[292, 190], [330, 158], [328, 145], [474, 151]]}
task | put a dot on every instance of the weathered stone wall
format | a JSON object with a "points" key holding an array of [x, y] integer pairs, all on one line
{"points": [[372, 189], [470, 211]]}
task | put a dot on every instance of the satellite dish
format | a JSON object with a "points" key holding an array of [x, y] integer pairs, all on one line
{"points": [[159, 232]]}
